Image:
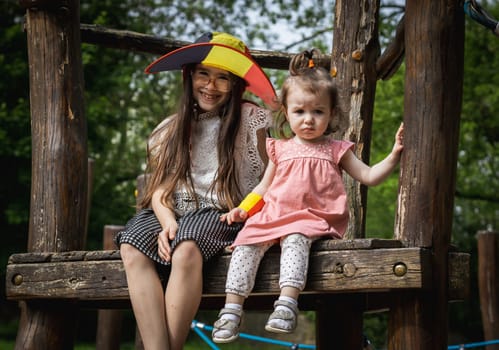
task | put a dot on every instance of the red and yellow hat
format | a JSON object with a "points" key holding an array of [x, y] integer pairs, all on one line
{"points": [[223, 51]]}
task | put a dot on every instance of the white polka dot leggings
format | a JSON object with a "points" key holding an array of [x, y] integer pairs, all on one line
{"points": [[295, 250]]}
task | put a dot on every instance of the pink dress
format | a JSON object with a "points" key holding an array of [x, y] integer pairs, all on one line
{"points": [[307, 194]]}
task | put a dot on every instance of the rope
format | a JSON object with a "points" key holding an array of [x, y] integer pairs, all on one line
{"points": [[477, 13], [195, 325], [473, 345], [203, 336]]}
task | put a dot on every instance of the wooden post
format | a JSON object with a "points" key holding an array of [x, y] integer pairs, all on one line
{"points": [[109, 322], [90, 184], [59, 158], [340, 325], [434, 42], [353, 65], [488, 284]]}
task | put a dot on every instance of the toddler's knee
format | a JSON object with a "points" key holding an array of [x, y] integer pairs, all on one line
{"points": [[298, 239]]}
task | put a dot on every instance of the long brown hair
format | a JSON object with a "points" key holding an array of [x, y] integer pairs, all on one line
{"points": [[169, 161]]}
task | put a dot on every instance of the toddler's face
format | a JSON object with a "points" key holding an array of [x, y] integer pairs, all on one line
{"points": [[308, 114]]}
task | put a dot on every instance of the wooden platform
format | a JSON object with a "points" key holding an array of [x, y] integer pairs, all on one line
{"points": [[97, 278]]}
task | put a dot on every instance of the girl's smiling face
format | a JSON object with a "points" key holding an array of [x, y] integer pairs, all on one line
{"points": [[308, 114], [211, 87]]}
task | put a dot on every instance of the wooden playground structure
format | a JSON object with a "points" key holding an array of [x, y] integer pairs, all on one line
{"points": [[413, 275]]}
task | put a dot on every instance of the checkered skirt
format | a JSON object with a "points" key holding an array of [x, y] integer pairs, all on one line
{"points": [[202, 226]]}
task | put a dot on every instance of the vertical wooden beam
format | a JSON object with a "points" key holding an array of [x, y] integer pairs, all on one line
{"points": [[353, 65], [340, 325], [90, 185], [58, 127], [59, 157], [488, 284], [434, 42], [109, 322]]}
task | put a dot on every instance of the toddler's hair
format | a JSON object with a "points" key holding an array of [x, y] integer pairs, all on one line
{"points": [[304, 70]]}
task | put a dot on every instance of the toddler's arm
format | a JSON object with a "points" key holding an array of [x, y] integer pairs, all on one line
{"points": [[376, 174], [239, 214], [235, 215]]}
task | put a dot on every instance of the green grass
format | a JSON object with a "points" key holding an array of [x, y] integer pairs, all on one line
{"points": [[6, 345]]}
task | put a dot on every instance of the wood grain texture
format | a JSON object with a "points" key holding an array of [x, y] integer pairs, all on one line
{"points": [[99, 275]]}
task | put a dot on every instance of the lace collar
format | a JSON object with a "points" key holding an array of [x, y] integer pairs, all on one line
{"points": [[206, 115]]}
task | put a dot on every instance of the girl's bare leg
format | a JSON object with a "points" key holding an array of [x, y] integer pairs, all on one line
{"points": [[183, 292], [146, 295]]}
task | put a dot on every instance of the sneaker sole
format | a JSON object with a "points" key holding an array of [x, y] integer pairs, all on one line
{"points": [[271, 329]]}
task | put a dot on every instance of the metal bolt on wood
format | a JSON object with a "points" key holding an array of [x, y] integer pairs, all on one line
{"points": [[399, 269], [349, 269], [17, 280]]}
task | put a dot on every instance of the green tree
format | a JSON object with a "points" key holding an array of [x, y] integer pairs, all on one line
{"points": [[15, 147]]}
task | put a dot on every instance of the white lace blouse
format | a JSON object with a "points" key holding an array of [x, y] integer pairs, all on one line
{"points": [[204, 156]]}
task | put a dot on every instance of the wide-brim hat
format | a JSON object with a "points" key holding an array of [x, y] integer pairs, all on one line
{"points": [[223, 51]]}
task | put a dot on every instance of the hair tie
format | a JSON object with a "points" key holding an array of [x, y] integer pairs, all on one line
{"points": [[311, 63]]}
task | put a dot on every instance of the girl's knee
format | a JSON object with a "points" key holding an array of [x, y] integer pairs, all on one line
{"points": [[131, 256], [187, 255]]}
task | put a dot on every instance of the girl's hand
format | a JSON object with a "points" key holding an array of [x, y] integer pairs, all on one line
{"points": [[398, 146], [165, 236], [235, 215]]}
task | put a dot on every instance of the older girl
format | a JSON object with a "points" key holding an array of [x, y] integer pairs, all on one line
{"points": [[201, 161]]}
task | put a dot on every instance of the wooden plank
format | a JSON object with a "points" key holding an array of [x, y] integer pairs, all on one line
{"points": [[342, 270], [98, 283], [71, 279], [326, 244], [330, 272], [133, 41]]}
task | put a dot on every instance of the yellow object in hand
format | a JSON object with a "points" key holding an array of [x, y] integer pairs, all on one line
{"points": [[252, 203]]}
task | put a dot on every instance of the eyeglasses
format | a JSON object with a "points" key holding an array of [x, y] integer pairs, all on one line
{"points": [[221, 82]]}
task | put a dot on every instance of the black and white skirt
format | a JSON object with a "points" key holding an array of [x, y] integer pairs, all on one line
{"points": [[202, 226]]}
